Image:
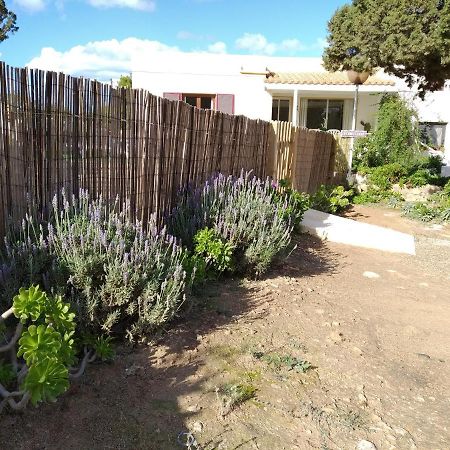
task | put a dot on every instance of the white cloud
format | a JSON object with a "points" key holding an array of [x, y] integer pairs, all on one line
{"points": [[102, 60], [255, 43], [141, 5], [292, 45], [217, 47], [31, 5]]}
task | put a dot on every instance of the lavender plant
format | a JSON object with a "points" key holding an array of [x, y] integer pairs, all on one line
{"points": [[246, 212], [118, 276]]}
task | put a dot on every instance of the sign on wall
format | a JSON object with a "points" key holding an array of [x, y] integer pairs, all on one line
{"points": [[353, 133]]}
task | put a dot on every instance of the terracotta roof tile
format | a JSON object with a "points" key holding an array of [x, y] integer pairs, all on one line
{"points": [[323, 78]]}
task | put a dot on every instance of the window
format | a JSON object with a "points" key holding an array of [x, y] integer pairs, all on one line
{"points": [[325, 114], [281, 109], [200, 100]]}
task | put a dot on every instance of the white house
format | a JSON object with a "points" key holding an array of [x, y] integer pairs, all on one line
{"points": [[299, 90]]}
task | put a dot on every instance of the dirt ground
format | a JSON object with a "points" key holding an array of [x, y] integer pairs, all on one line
{"points": [[374, 326]]}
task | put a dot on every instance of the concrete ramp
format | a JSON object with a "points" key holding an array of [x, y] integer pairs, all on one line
{"points": [[359, 234]]}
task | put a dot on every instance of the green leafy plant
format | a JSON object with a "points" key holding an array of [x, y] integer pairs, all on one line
{"points": [[331, 199], [29, 303], [46, 349], [279, 361], [377, 196], [195, 267], [297, 202], [46, 380], [103, 348], [217, 253], [420, 211], [232, 395], [39, 342]]}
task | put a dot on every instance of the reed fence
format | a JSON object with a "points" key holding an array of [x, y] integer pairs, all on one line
{"points": [[304, 157], [61, 132]]}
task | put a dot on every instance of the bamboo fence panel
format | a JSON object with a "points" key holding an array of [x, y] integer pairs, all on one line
{"points": [[304, 157], [61, 132]]}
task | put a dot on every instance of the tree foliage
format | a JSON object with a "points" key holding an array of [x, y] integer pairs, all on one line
{"points": [[7, 21], [408, 38], [125, 82]]}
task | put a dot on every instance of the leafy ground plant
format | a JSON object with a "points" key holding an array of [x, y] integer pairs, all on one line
{"points": [[278, 361], [42, 350], [331, 199], [232, 395]]}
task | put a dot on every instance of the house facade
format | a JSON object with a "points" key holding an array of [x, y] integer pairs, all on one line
{"points": [[298, 90]]}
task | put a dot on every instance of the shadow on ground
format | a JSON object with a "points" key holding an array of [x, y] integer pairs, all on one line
{"points": [[134, 402]]}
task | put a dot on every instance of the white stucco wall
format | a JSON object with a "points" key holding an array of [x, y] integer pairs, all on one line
{"points": [[217, 74]]}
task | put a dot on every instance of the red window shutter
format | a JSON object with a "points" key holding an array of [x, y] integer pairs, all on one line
{"points": [[225, 103], [173, 95]]}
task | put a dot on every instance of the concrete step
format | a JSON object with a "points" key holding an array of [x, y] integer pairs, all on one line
{"points": [[347, 231]]}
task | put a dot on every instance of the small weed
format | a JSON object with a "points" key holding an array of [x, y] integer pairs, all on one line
{"points": [[232, 395], [278, 361], [251, 376]]}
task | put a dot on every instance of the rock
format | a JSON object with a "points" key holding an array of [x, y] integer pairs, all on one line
{"points": [[371, 275], [360, 183], [418, 194], [194, 408], [197, 427], [365, 445]]}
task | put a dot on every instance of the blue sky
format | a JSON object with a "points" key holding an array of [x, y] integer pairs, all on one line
{"points": [[102, 35]]}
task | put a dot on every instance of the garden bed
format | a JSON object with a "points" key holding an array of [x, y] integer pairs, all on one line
{"points": [[380, 372]]}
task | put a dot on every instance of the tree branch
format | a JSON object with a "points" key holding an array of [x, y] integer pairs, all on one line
{"points": [[6, 314], [87, 356], [14, 339]]}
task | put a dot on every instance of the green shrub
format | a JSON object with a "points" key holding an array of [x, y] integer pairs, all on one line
{"points": [[396, 137], [446, 188], [298, 202], [331, 199], [118, 277], [422, 177], [247, 213], [420, 211], [383, 177], [217, 253], [377, 196]]}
